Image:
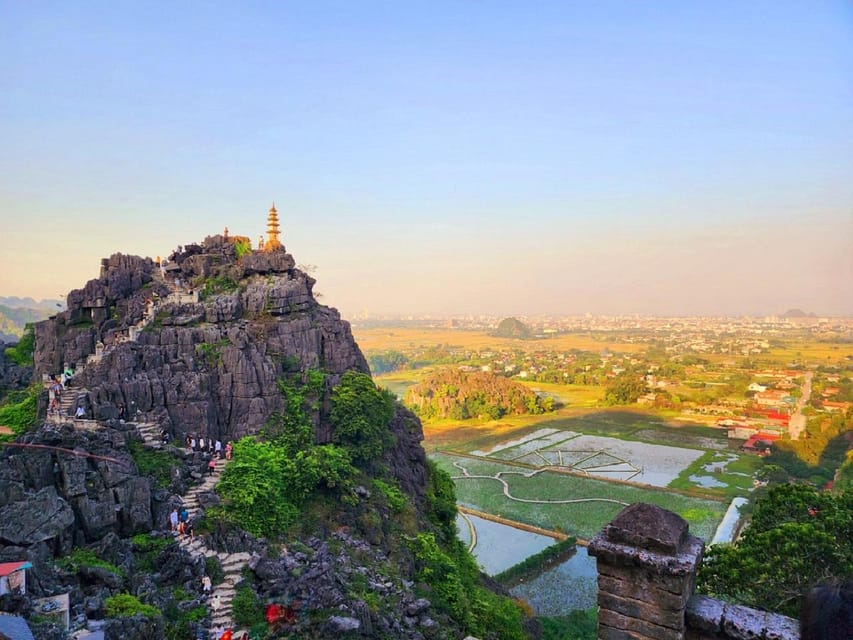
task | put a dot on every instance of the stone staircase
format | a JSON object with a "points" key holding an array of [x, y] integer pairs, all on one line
{"points": [[222, 594]]}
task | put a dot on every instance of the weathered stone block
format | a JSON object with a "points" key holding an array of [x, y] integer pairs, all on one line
{"points": [[645, 628], [642, 590], [641, 610]]}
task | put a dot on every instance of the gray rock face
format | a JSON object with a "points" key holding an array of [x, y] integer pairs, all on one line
{"points": [[56, 496], [41, 516], [208, 368]]}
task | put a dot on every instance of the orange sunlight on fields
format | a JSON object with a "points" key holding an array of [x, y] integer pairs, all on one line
{"points": [[384, 338]]}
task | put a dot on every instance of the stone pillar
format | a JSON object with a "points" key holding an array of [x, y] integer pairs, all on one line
{"points": [[647, 564]]}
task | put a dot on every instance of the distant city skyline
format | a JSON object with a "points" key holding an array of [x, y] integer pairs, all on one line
{"points": [[667, 158]]}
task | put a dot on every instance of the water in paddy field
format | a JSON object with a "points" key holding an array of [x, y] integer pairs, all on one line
{"points": [[500, 546], [570, 585]]}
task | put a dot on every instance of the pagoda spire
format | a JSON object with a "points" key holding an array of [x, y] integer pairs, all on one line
{"points": [[272, 242]]}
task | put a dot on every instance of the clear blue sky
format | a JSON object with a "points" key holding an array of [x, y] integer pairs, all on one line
{"points": [[447, 157]]}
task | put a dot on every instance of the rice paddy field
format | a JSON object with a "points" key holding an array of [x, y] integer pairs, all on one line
{"points": [[569, 503]]}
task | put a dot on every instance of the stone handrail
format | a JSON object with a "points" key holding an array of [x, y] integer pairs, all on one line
{"points": [[647, 564]]}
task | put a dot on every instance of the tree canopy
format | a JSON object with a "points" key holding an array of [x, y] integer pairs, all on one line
{"points": [[799, 536]]}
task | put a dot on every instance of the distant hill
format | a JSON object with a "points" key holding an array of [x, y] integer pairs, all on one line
{"points": [[13, 320], [48, 304], [797, 313], [512, 328], [460, 395]]}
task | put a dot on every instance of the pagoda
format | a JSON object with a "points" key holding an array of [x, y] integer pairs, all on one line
{"points": [[272, 242]]}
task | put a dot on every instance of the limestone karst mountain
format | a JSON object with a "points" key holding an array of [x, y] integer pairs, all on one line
{"points": [[204, 344]]}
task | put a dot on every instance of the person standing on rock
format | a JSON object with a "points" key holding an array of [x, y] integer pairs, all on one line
{"points": [[218, 449], [192, 443], [173, 519], [201, 443], [206, 585]]}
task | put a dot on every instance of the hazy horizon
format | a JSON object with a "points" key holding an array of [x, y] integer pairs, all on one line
{"points": [[613, 158]]}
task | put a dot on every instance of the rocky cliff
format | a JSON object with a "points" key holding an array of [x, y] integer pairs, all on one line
{"points": [[224, 330], [199, 346]]}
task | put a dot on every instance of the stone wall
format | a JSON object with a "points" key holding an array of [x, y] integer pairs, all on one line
{"points": [[647, 564]]}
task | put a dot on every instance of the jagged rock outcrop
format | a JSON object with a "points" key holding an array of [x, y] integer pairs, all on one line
{"points": [[78, 489], [207, 363]]}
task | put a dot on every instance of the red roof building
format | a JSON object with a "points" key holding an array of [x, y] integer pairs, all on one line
{"points": [[13, 577]]}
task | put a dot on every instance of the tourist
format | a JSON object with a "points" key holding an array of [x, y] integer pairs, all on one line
{"points": [[192, 443], [80, 413], [229, 448], [201, 443], [218, 449], [122, 412], [216, 604], [173, 519], [190, 530], [206, 585], [211, 466]]}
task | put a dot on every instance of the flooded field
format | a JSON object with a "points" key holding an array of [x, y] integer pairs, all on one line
{"points": [[499, 546], [568, 586]]}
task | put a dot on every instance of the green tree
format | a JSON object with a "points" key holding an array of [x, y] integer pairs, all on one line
{"points": [[625, 388], [360, 416], [798, 536], [253, 488]]}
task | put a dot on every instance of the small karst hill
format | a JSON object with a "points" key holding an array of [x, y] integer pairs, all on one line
{"points": [[452, 393], [512, 328], [329, 508]]}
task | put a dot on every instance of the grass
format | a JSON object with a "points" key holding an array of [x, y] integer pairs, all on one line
{"points": [[583, 519], [737, 474]]}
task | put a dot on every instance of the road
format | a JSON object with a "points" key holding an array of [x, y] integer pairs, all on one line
{"points": [[797, 421]]}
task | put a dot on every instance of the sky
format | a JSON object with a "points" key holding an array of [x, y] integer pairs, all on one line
{"points": [[660, 158]]}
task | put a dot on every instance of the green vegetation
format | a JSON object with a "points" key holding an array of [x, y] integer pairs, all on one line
{"points": [[360, 416], [395, 498], [80, 557], [577, 625], [453, 578], [150, 462], [582, 519], [213, 568], [247, 607], [211, 352], [817, 456], [386, 361], [242, 248], [535, 563], [625, 388], [798, 536], [22, 352], [147, 548], [218, 285], [125, 605], [271, 476], [19, 411], [451, 393]]}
